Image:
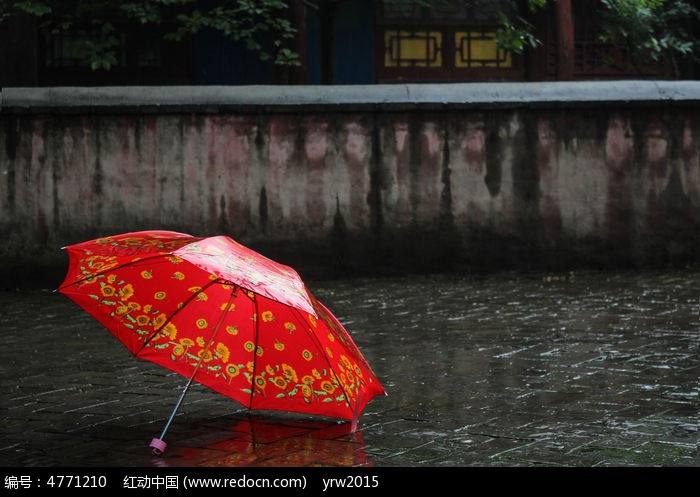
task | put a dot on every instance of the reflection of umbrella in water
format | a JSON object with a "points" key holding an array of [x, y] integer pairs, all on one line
{"points": [[255, 441], [224, 316]]}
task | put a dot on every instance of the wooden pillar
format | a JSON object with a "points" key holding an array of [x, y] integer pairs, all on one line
{"points": [[565, 41], [327, 11], [535, 57]]}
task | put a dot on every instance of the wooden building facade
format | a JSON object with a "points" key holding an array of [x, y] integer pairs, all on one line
{"points": [[339, 42]]}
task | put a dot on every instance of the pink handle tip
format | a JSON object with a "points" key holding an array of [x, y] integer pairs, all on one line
{"points": [[158, 446]]}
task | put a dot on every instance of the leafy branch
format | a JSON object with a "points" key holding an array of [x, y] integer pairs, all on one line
{"points": [[262, 26], [656, 30]]}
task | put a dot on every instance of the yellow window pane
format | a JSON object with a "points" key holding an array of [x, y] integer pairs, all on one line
{"points": [[484, 50], [479, 49], [413, 49]]}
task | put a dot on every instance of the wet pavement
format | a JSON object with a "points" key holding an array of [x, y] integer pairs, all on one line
{"points": [[579, 369]]}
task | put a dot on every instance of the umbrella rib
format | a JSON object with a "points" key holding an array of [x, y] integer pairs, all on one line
{"points": [[318, 344], [113, 268], [201, 358], [255, 352], [218, 325], [170, 318]]}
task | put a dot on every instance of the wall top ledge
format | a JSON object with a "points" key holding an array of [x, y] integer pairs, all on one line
{"points": [[260, 98]]}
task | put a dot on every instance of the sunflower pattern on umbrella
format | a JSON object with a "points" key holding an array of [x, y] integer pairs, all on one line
{"points": [[246, 325]]}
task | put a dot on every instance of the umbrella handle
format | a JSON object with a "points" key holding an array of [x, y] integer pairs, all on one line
{"points": [[157, 444]]}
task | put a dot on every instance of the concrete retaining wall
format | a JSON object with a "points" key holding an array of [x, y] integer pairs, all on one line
{"points": [[338, 180]]}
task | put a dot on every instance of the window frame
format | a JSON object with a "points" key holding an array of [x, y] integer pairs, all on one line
{"points": [[424, 19]]}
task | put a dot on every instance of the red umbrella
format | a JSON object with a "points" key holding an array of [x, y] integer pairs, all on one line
{"points": [[224, 316]]}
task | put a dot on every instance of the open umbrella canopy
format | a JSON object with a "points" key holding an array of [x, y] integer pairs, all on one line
{"points": [[224, 315]]}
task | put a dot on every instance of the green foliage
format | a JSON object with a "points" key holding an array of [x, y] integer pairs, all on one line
{"points": [[144, 12], [37, 9], [648, 30], [656, 30], [248, 22], [261, 25], [515, 32]]}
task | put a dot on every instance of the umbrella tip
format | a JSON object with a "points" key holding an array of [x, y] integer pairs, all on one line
{"points": [[157, 446]]}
